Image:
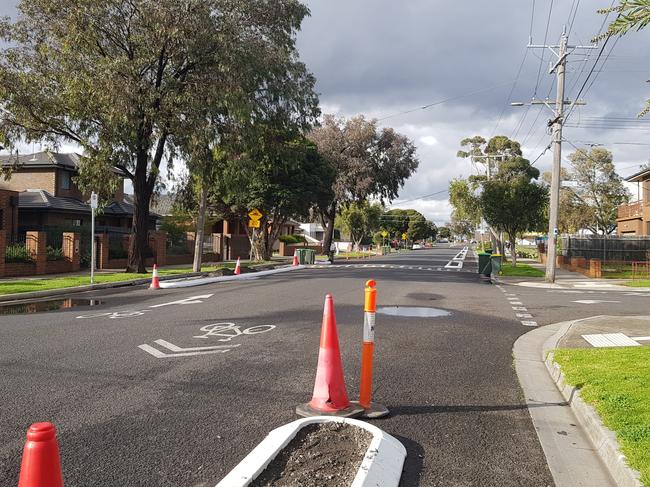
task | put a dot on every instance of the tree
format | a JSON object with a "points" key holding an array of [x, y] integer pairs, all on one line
{"points": [[367, 162], [121, 78], [360, 219], [632, 15], [281, 176], [599, 190], [461, 227], [444, 232], [573, 214], [465, 200], [512, 202]]}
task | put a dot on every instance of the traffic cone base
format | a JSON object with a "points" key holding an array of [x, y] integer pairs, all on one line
{"points": [[374, 411], [238, 267], [307, 411]]}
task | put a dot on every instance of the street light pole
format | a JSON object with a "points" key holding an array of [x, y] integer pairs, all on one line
{"points": [[557, 162]]}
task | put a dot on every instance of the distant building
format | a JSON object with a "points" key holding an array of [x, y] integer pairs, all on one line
{"points": [[634, 217]]}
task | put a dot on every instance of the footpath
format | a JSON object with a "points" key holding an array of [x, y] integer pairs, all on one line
{"points": [[585, 383]]}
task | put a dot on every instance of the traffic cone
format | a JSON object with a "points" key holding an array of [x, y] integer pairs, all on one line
{"points": [[295, 258], [330, 397], [155, 283], [237, 267], [41, 464]]}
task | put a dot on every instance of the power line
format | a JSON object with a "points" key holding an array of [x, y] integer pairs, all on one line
{"points": [[420, 197], [440, 102], [541, 59]]}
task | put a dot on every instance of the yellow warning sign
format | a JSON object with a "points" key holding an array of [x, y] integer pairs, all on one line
{"points": [[255, 214], [254, 224]]}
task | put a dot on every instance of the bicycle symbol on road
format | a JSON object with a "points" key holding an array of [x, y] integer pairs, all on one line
{"points": [[230, 331]]}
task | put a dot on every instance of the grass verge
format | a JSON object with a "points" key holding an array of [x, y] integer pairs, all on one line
{"points": [[616, 381], [46, 284], [638, 283], [522, 270]]}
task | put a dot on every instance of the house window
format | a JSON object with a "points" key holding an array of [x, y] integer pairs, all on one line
{"points": [[75, 223], [646, 191], [65, 180]]}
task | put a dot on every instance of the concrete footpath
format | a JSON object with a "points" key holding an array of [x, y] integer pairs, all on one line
{"points": [[580, 450], [572, 458]]}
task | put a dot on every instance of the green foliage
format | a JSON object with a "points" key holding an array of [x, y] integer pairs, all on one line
{"points": [[292, 239], [527, 252], [409, 221], [444, 232], [600, 190], [360, 220], [17, 253], [54, 254]]}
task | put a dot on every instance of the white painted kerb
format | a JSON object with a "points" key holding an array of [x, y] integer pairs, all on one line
{"points": [[240, 277], [381, 466]]}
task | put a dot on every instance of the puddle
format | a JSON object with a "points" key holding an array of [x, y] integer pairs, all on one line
{"points": [[415, 311], [45, 306]]}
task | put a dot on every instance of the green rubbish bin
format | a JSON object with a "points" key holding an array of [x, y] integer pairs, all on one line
{"points": [[302, 255], [495, 260], [484, 264], [310, 256], [385, 250]]}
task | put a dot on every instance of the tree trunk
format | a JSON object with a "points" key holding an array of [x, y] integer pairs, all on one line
{"points": [[200, 228], [329, 228], [513, 250], [139, 229]]}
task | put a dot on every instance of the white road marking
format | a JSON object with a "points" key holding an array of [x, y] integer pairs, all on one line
{"points": [[519, 308], [192, 300], [601, 340], [529, 323], [517, 303], [641, 339], [523, 315], [158, 354], [174, 348], [593, 301]]}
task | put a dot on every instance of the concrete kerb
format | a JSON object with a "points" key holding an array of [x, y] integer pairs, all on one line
{"points": [[603, 439], [172, 284], [381, 465], [577, 456]]}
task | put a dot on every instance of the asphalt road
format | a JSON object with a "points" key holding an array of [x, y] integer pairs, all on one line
{"points": [[127, 417]]}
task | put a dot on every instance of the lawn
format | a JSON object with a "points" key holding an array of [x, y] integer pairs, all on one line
{"points": [[522, 270], [638, 283], [44, 284], [616, 381], [354, 255]]}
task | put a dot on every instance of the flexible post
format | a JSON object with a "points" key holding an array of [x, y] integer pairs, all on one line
{"points": [[369, 309]]}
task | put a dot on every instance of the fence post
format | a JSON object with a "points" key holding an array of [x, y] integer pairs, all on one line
{"points": [[37, 248], [102, 255], [3, 250], [71, 249], [595, 268]]}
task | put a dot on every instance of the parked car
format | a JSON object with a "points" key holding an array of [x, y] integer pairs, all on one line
{"points": [[443, 240], [417, 247]]}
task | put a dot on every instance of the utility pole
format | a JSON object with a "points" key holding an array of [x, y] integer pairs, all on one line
{"points": [[556, 122]]}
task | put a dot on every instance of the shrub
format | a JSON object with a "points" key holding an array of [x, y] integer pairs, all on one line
{"points": [[54, 253], [17, 253], [527, 253], [292, 239]]}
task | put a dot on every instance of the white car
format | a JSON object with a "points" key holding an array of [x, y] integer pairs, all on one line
{"points": [[417, 246]]}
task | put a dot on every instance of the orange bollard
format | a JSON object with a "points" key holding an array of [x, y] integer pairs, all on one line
{"points": [[295, 258], [371, 409], [41, 463], [155, 282], [238, 267]]}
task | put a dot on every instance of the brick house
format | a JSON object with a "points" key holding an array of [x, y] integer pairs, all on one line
{"points": [[634, 217], [48, 196]]}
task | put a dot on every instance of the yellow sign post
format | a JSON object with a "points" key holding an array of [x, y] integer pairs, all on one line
{"points": [[384, 233], [404, 236]]}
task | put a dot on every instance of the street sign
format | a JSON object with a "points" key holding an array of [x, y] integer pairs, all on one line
{"points": [[255, 214], [384, 233], [93, 200], [404, 236], [254, 224]]}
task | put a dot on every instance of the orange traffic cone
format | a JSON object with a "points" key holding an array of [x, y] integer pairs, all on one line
{"points": [[155, 283], [41, 464], [237, 267], [295, 258], [330, 397]]}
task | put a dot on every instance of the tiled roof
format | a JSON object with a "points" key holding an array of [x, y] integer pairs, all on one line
{"points": [[42, 159], [41, 199], [160, 204], [642, 175]]}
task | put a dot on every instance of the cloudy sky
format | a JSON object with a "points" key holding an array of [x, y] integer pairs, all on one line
{"points": [[382, 57], [385, 57]]}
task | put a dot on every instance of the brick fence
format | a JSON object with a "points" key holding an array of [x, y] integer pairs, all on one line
{"points": [[590, 268], [38, 264]]}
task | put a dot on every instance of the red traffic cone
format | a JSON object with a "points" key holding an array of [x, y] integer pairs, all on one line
{"points": [[155, 283], [330, 397], [41, 464], [295, 257], [237, 267]]}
